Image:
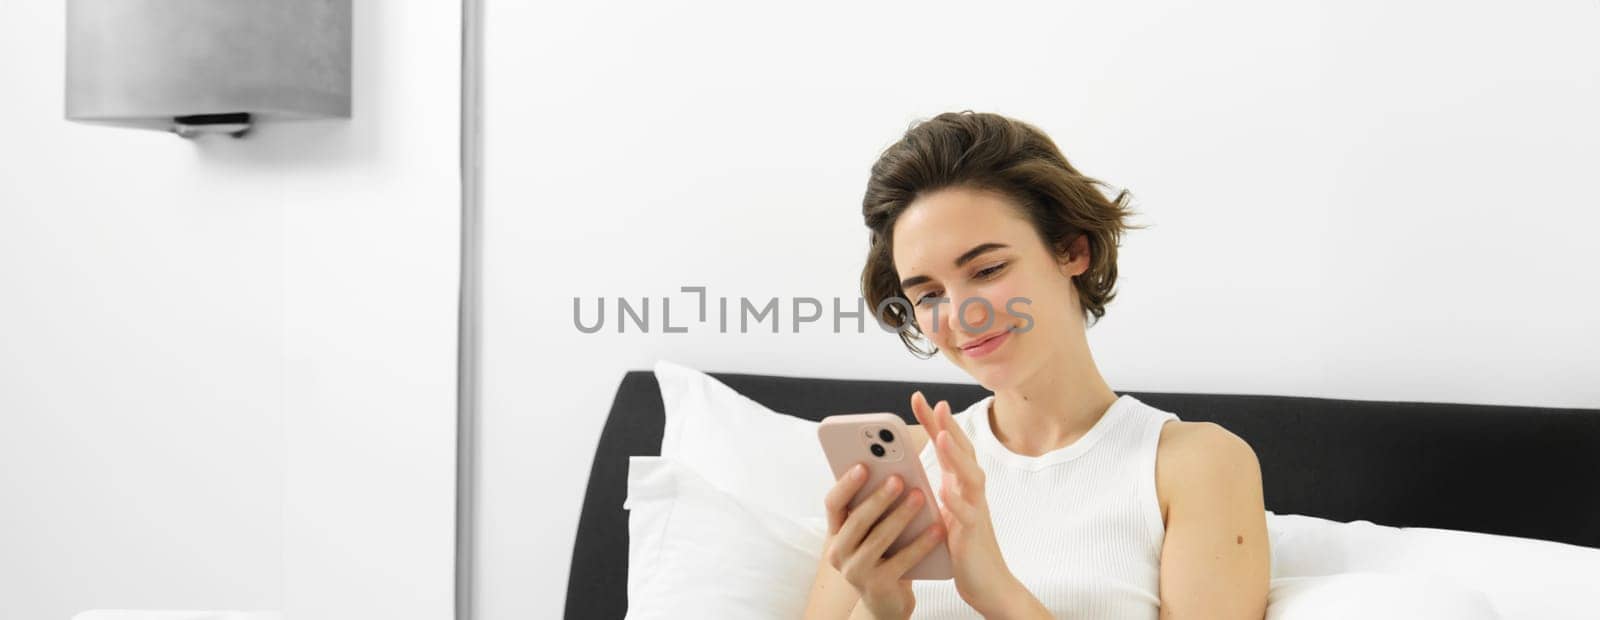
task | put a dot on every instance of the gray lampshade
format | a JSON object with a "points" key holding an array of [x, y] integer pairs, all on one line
{"points": [[143, 63]]}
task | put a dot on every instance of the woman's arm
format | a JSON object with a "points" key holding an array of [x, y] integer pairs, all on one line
{"points": [[1215, 560], [1020, 605], [831, 597]]}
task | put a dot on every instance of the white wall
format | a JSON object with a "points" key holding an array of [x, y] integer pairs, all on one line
{"points": [[227, 368], [1349, 199]]}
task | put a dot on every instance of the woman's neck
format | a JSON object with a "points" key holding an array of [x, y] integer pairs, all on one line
{"points": [[1052, 408]]}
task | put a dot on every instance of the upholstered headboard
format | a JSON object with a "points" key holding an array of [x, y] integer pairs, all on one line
{"points": [[1519, 471]]}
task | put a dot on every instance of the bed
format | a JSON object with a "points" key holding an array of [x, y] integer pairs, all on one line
{"points": [[1528, 472]]}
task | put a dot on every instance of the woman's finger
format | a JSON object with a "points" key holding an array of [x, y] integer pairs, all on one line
{"points": [[952, 504], [924, 413], [886, 531], [860, 520], [957, 461], [838, 498], [948, 422], [946, 458], [909, 555], [956, 466]]}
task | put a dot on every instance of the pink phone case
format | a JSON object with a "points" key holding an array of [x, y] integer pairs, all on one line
{"points": [[847, 439]]}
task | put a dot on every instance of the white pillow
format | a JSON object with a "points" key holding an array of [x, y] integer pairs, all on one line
{"points": [[773, 461], [763, 457], [1375, 596], [1521, 577], [695, 551]]}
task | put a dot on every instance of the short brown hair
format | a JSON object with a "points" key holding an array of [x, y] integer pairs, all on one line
{"points": [[984, 151]]}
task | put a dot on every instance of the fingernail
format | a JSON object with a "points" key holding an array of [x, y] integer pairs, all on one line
{"points": [[858, 471]]}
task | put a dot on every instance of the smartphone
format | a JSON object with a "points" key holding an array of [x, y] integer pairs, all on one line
{"points": [[882, 441]]}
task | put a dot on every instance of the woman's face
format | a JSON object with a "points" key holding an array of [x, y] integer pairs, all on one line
{"points": [[973, 247]]}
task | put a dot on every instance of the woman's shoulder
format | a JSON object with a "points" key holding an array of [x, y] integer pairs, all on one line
{"points": [[1200, 442], [1200, 454]]}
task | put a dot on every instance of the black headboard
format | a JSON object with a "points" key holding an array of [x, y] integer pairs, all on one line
{"points": [[1519, 471]]}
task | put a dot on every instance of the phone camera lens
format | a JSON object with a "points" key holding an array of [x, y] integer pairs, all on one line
{"points": [[877, 450], [885, 435]]}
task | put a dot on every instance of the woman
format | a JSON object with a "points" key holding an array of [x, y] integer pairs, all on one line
{"points": [[1058, 497]]}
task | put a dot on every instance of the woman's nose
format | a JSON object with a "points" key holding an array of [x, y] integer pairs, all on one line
{"points": [[975, 311]]}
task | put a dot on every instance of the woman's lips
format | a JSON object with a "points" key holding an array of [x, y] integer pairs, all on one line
{"points": [[988, 346]]}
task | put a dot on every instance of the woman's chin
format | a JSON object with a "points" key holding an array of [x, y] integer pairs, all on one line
{"points": [[996, 370], [989, 371]]}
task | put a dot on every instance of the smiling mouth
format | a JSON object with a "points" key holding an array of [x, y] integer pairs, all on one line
{"points": [[969, 346]]}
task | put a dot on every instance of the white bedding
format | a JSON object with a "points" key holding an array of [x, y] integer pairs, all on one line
{"points": [[1521, 577], [737, 447]]}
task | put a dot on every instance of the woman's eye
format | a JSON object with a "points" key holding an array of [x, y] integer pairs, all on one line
{"points": [[984, 274]]}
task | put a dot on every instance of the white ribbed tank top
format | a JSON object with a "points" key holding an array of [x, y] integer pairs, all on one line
{"points": [[1080, 526]]}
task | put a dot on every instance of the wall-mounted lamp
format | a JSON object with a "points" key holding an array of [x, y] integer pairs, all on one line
{"points": [[207, 66]]}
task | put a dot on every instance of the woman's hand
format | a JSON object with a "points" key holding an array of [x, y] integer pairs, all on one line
{"points": [[857, 540], [982, 578]]}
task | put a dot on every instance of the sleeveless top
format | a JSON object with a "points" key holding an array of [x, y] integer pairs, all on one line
{"points": [[1080, 526]]}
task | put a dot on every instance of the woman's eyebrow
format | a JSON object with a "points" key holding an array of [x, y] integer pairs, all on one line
{"points": [[960, 260]]}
